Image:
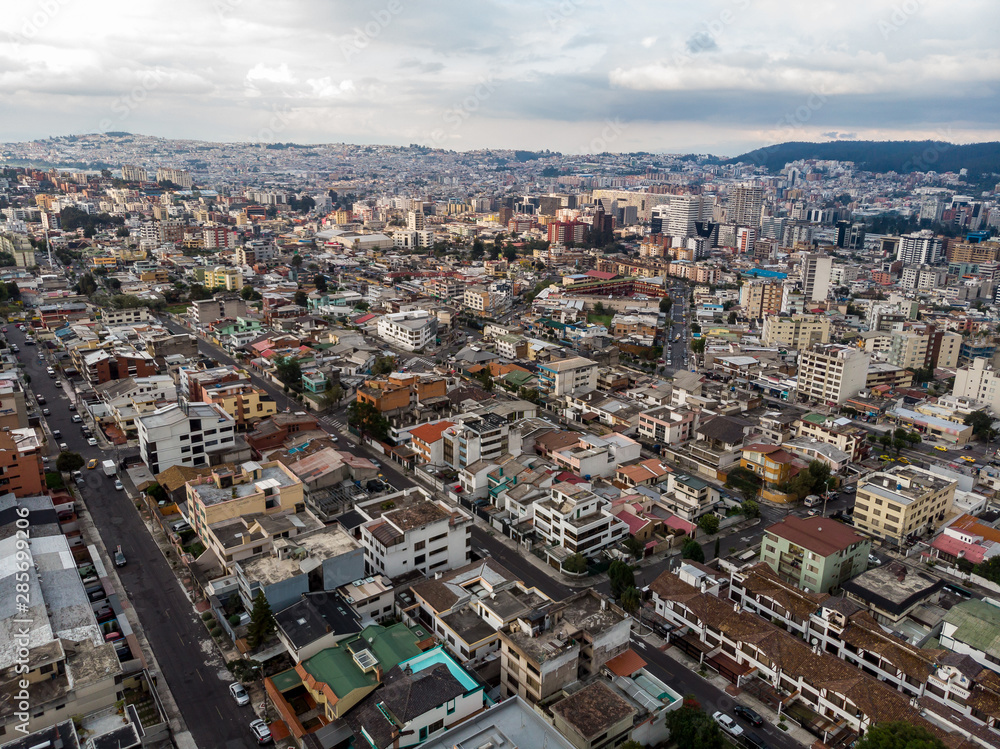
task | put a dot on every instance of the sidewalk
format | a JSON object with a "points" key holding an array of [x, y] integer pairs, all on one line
{"points": [[794, 730]]}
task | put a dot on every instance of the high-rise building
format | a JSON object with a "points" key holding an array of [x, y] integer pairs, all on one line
{"points": [[745, 204], [816, 276], [132, 173], [920, 248], [832, 373], [760, 298], [415, 218], [796, 331], [678, 215], [179, 177]]}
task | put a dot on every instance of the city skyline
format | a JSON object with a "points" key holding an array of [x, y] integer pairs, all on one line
{"points": [[576, 76]]}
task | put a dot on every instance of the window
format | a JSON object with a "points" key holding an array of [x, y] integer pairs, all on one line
{"points": [[419, 559], [419, 545]]}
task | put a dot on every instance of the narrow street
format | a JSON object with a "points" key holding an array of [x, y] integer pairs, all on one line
{"points": [[188, 660]]}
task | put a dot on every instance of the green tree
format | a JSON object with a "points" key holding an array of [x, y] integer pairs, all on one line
{"points": [[632, 744], [478, 249], [990, 569], [750, 509], [248, 293], [122, 232], [732, 318], [368, 420], [86, 285], [695, 327], [634, 547], [301, 298], [599, 308], [665, 304], [631, 599], [296, 261], [899, 735], [709, 524], [320, 282], [575, 564], [510, 253], [334, 393], [690, 727], [383, 365], [67, 462], [262, 624], [288, 370], [692, 550], [981, 423], [244, 669], [157, 493], [621, 577], [698, 345]]}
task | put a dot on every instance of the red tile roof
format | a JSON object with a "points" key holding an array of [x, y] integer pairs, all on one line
{"points": [[823, 536], [626, 664], [430, 433]]}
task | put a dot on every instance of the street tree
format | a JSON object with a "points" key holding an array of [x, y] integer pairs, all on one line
{"points": [[67, 462], [981, 424], [709, 524], [692, 550], [262, 624], [692, 728], [384, 365], [750, 509], [621, 577], [244, 669], [899, 735], [575, 564], [631, 599], [368, 420], [289, 370], [634, 547]]}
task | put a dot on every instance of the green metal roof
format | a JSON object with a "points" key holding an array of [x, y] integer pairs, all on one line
{"points": [[815, 418], [978, 625], [336, 668]]}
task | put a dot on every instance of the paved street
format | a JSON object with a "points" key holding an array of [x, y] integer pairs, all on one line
{"points": [[484, 545], [687, 682], [188, 659]]}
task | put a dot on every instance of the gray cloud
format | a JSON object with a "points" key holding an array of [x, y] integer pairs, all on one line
{"points": [[700, 42]]}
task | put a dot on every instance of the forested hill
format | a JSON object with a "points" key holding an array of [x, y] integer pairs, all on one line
{"points": [[901, 156]]}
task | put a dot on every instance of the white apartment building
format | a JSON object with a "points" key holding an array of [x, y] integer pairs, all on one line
{"points": [[565, 376], [475, 439], [125, 316], [832, 373], [184, 434], [677, 214], [796, 331], [410, 331], [409, 531], [205, 311], [979, 382], [920, 248], [574, 520], [816, 271]]}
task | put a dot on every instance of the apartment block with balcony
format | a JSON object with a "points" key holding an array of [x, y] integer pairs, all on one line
{"points": [[831, 373], [772, 463], [565, 376], [408, 531], [839, 432], [816, 554], [185, 434], [574, 520], [796, 331], [410, 331], [667, 425], [560, 643], [904, 502], [689, 496], [480, 438]]}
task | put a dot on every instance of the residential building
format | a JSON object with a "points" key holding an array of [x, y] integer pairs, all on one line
{"points": [[839, 432], [891, 592], [772, 463], [547, 649], [745, 206], [508, 723], [972, 628], [251, 489], [105, 365], [920, 248], [245, 403], [410, 331], [689, 497], [475, 439], [831, 373], [815, 271], [760, 299], [428, 441], [574, 520], [565, 376], [979, 382], [667, 425], [371, 597], [206, 311], [184, 434], [408, 531], [222, 277], [21, 470], [795, 332], [817, 554], [902, 503]]}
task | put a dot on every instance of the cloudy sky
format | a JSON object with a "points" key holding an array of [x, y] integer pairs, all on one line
{"points": [[720, 76]]}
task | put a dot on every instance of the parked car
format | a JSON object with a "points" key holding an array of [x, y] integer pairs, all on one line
{"points": [[92, 442], [180, 526], [63, 447], [750, 715], [72, 406], [76, 418], [239, 694], [57, 433], [874, 560], [261, 732], [119, 485], [728, 724], [92, 463], [46, 412], [40, 399], [120, 560]]}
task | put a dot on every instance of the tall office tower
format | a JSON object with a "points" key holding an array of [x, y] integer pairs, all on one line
{"points": [[678, 215], [816, 276], [772, 227], [745, 238], [745, 204], [920, 248], [415, 218], [132, 173]]}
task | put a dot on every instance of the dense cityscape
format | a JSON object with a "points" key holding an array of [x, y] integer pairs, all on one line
{"points": [[377, 446]]}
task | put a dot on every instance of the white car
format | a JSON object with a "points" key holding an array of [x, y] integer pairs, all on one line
{"points": [[260, 731], [239, 693], [119, 485], [92, 442], [727, 724], [76, 418]]}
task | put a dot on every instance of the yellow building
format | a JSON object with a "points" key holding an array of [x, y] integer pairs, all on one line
{"points": [[906, 501], [221, 277], [245, 403], [109, 261], [154, 276], [796, 331], [252, 488], [759, 299]]}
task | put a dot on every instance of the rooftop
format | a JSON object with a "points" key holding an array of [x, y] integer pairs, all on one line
{"points": [[593, 710], [314, 616], [269, 477], [823, 536]]}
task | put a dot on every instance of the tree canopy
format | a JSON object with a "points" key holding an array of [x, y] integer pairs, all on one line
{"points": [[709, 523], [692, 728], [262, 623], [621, 577], [692, 550], [69, 462], [899, 735], [368, 420], [981, 423]]}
